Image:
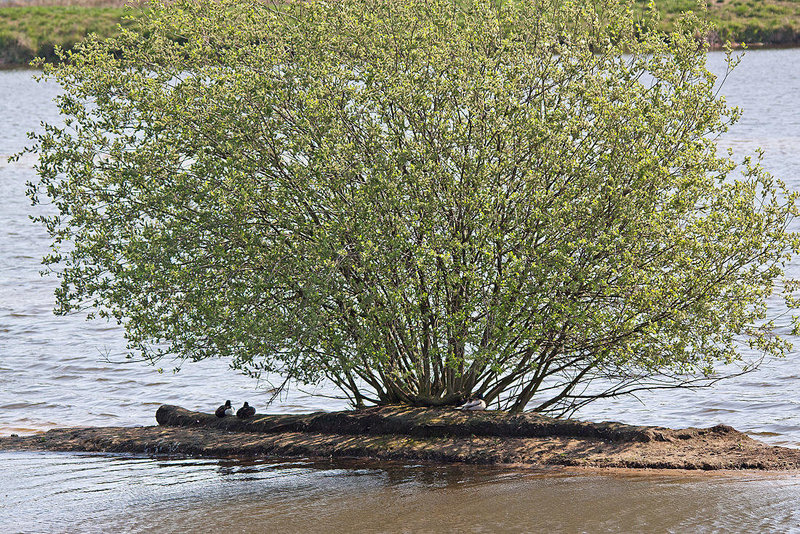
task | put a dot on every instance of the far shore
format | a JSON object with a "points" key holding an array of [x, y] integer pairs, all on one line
{"points": [[439, 435], [35, 28], [15, 58]]}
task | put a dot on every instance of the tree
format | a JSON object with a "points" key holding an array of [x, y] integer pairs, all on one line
{"points": [[415, 199]]}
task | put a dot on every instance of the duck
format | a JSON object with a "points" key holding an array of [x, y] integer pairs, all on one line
{"points": [[225, 409], [475, 404], [245, 411]]}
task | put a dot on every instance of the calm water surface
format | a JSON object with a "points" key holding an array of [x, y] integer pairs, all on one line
{"points": [[57, 371]]}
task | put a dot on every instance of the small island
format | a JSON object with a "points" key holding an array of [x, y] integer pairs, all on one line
{"points": [[521, 204], [436, 435]]}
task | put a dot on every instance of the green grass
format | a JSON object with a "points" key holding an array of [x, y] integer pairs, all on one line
{"points": [[772, 22], [30, 31]]}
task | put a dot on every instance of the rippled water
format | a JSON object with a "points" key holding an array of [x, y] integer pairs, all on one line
{"points": [[122, 494], [59, 371]]}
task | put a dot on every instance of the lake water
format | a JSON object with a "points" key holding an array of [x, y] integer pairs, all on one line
{"points": [[64, 371]]}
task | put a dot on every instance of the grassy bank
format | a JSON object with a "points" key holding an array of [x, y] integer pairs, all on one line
{"points": [[767, 22], [32, 28], [27, 32]]}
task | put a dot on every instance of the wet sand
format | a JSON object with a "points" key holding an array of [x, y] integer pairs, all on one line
{"points": [[430, 435]]}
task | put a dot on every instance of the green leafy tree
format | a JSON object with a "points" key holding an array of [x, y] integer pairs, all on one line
{"points": [[418, 200]]}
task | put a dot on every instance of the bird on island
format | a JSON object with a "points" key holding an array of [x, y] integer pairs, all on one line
{"points": [[475, 404], [225, 409], [245, 411]]}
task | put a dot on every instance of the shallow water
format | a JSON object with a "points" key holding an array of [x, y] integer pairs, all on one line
{"points": [[82, 493], [60, 371]]}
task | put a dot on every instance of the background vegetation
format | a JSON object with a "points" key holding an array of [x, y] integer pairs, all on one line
{"points": [[771, 22], [32, 28], [29, 31]]}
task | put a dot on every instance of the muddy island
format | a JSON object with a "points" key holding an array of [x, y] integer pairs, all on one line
{"points": [[424, 434]]}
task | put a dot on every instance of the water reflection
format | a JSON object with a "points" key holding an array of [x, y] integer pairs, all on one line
{"points": [[127, 494]]}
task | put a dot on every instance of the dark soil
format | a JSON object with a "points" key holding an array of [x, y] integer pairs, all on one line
{"points": [[437, 435]]}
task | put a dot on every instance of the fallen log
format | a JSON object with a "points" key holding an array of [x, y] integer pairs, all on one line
{"points": [[419, 422]]}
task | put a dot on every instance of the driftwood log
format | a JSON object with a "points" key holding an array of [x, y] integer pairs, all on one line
{"points": [[417, 422]]}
